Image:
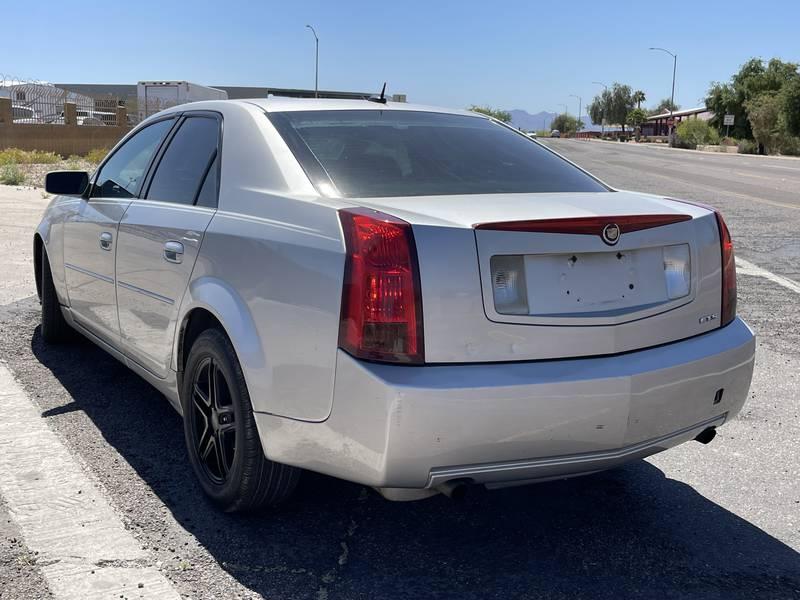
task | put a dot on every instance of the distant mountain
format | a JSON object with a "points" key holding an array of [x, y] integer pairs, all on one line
{"points": [[522, 119]]}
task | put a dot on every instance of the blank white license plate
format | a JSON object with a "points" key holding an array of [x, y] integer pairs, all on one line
{"points": [[595, 282]]}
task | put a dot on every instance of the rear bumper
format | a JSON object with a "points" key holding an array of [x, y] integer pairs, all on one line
{"points": [[416, 427]]}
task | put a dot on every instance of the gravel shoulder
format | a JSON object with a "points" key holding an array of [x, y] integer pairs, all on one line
{"points": [[20, 212]]}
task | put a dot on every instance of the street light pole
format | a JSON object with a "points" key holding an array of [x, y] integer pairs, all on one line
{"points": [[672, 97], [580, 109], [603, 111], [316, 62]]}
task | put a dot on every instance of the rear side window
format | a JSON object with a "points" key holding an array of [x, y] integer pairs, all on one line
{"points": [[122, 174], [374, 153], [189, 157], [209, 191]]}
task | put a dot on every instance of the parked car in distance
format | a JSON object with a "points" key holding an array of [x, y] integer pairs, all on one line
{"points": [[532, 134], [22, 114], [555, 133], [409, 298], [88, 117]]}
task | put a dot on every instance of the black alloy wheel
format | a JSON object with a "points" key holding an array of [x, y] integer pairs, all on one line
{"points": [[214, 421], [222, 439]]}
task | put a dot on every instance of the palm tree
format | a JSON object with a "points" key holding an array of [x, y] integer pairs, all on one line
{"points": [[638, 97]]}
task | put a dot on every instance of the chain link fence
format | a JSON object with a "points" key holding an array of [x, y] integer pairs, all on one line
{"points": [[37, 102]]}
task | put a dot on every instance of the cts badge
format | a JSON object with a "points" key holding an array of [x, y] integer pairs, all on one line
{"points": [[707, 318]]}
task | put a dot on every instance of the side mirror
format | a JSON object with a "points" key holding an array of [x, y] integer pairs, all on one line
{"points": [[66, 183]]}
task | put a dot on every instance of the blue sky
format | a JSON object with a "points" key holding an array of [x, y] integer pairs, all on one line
{"points": [[529, 55]]}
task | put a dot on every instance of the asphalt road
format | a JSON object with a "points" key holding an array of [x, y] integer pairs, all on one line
{"points": [[760, 196], [717, 521]]}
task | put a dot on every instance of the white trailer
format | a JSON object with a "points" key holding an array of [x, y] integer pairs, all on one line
{"points": [[154, 96]]}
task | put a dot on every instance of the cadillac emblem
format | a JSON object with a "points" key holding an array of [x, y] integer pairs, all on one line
{"points": [[611, 234]]}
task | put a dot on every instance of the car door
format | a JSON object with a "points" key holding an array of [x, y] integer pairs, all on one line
{"points": [[160, 235], [90, 231]]}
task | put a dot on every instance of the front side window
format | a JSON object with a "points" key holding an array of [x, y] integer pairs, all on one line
{"points": [[382, 153], [121, 176], [189, 156]]}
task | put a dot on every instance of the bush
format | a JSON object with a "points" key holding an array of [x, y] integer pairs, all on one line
{"points": [[11, 174], [682, 143], [96, 155], [748, 147], [27, 157], [694, 132], [74, 163], [728, 141], [791, 146]]}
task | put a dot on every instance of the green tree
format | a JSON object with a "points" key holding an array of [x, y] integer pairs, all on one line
{"points": [[753, 79], [790, 98], [613, 105], [664, 107], [635, 119], [638, 97], [500, 115], [764, 114], [722, 99], [597, 108], [565, 123]]}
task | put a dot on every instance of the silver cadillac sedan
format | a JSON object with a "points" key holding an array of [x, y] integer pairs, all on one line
{"points": [[410, 298]]}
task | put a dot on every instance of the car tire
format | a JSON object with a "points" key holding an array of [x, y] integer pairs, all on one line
{"points": [[55, 328], [220, 431]]}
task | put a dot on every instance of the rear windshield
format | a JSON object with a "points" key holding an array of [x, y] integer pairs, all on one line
{"points": [[380, 153]]}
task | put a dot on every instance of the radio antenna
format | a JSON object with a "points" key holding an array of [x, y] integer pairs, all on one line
{"points": [[379, 99]]}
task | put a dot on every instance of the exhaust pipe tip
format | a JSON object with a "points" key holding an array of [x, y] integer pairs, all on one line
{"points": [[705, 436], [455, 489]]}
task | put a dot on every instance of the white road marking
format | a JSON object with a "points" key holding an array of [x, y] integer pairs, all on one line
{"points": [[84, 550], [747, 268]]}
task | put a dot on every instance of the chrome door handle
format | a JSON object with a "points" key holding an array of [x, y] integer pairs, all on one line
{"points": [[105, 240], [173, 252]]}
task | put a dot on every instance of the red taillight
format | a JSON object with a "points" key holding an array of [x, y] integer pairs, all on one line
{"points": [[381, 301], [728, 309], [728, 272]]}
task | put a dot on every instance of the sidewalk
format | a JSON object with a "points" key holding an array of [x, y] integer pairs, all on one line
{"points": [[666, 147]]}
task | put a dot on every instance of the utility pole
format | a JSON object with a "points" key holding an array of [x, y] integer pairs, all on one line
{"points": [[672, 97], [316, 62]]}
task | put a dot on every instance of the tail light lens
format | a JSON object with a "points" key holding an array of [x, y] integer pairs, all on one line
{"points": [[381, 301], [508, 284], [728, 273]]}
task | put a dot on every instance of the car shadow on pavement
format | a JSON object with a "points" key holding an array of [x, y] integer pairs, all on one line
{"points": [[631, 532]]}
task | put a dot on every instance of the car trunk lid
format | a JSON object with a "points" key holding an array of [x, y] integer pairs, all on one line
{"points": [[656, 281]]}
